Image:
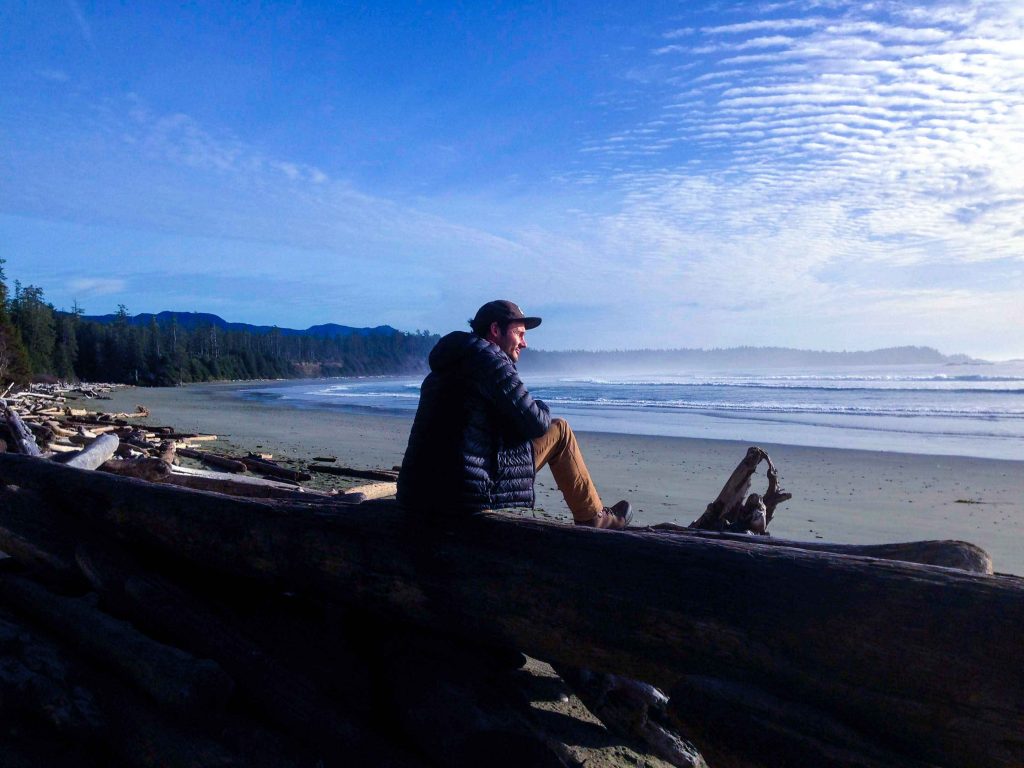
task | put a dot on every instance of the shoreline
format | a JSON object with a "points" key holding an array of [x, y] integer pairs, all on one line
{"points": [[842, 495]]}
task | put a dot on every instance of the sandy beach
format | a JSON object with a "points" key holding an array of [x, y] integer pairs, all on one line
{"points": [[844, 496]]}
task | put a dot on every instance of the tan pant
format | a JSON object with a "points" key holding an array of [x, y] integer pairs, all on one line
{"points": [[558, 448]]}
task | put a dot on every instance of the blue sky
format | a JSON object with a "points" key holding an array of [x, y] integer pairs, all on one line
{"points": [[817, 174]]}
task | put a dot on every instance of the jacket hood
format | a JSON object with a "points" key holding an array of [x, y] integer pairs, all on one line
{"points": [[454, 348]]}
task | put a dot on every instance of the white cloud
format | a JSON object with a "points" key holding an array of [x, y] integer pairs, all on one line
{"points": [[54, 75], [86, 287], [857, 142], [83, 24]]}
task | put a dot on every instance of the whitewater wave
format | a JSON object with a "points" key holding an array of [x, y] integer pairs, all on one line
{"points": [[978, 412]]}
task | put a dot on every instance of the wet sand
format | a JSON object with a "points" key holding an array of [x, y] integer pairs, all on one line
{"points": [[839, 495]]}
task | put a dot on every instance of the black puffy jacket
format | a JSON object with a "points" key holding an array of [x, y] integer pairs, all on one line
{"points": [[470, 446]]}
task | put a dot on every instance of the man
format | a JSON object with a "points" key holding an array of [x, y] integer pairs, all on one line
{"points": [[479, 437]]}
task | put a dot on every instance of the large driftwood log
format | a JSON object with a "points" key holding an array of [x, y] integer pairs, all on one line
{"points": [[925, 662]]}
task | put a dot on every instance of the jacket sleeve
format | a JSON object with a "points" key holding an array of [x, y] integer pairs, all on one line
{"points": [[500, 385]]}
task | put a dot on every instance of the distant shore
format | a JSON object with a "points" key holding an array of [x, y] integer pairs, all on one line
{"points": [[839, 495]]}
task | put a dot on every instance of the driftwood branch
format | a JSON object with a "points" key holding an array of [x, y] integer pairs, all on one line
{"points": [[733, 510]]}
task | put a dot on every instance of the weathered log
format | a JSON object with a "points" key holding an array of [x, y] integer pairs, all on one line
{"points": [[63, 448], [157, 471], [95, 454], [59, 430], [37, 395], [238, 485], [142, 445], [374, 490], [213, 459], [168, 452], [949, 554], [264, 467], [42, 433], [924, 661], [364, 474], [24, 440], [170, 434], [143, 468], [191, 687]]}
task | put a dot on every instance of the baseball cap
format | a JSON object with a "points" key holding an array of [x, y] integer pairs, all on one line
{"points": [[502, 311]]}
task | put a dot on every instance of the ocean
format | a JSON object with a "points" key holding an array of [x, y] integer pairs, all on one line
{"points": [[963, 410]]}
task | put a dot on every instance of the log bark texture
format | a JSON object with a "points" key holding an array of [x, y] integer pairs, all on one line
{"points": [[188, 686], [284, 696], [949, 554], [925, 662], [36, 537]]}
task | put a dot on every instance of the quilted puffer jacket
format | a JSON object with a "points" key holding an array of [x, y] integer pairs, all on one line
{"points": [[470, 446]]}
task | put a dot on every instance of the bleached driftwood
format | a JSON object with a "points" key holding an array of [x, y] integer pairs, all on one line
{"points": [[733, 510], [96, 453], [23, 437]]}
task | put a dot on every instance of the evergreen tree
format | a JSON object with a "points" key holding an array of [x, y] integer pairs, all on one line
{"points": [[36, 322], [14, 365]]}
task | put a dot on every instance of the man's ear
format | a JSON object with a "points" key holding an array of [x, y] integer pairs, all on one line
{"points": [[495, 330]]}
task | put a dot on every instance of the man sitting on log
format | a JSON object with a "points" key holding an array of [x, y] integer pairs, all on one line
{"points": [[479, 437]]}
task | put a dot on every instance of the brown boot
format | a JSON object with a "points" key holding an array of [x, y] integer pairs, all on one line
{"points": [[615, 517]]}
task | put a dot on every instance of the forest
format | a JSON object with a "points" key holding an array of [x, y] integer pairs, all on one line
{"points": [[40, 342]]}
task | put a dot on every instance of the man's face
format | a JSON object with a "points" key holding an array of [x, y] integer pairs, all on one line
{"points": [[512, 340]]}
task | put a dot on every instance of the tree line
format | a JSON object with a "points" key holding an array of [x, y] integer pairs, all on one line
{"points": [[38, 341]]}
